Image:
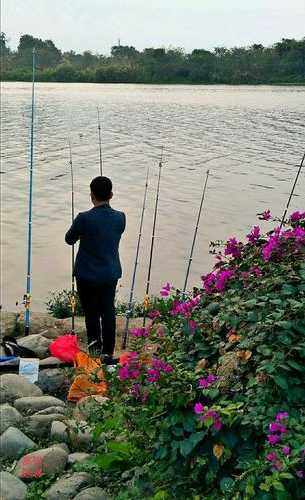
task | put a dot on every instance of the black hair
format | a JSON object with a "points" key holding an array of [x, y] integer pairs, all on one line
{"points": [[101, 187]]}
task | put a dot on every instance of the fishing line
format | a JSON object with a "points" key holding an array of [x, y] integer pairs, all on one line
{"points": [[292, 190]]}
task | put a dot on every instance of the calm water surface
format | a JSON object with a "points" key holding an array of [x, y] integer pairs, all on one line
{"points": [[251, 138]]}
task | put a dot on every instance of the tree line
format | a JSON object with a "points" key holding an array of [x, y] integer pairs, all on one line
{"points": [[281, 63]]}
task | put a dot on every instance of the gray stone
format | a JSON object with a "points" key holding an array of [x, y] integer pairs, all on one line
{"points": [[13, 442], [58, 431], [45, 462], [51, 360], [85, 406], [11, 488], [67, 487], [30, 405], [40, 425], [13, 386], [77, 457], [40, 322], [37, 343], [9, 417], [63, 446], [80, 435], [52, 409], [93, 493], [52, 381]]}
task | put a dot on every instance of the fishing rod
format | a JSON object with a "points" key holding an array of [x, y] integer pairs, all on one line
{"points": [[73, 301], [146, 298], [100, 140], [27, 296], [195, 232], [292, 191], [130, 303]]}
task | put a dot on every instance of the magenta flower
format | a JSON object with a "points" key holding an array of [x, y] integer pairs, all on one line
{"points": [[154, 314], [276, 427], [139, 332], [217, 425], [123, 373], [166, 289], [272, 244], [209, 281], [153, 376], [254, 235], [222, 278], [281, 415], [233, 248], [297, 216], [286, 450], [256, 271], [266, 215], [273, 439], [192, 325], [272, 457], [300, 474], [198, 408]]}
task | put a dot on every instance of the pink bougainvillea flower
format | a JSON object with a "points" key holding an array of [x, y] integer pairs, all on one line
{"points": [[204, 383], [217, 425], [286, 450], [266, 215], [222, 278], [254, 235], [154, 314], [192, 325], [297, 216], [272, 457], [166, 290], [273, 439], [300, 474], [272, 244], [276, 427], [256, 271], [123, 373], [233, 248], [198, 408], [139, 332], [281, 415]]}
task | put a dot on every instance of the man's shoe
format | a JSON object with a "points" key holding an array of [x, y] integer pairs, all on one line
{"points": [[109, 360]]}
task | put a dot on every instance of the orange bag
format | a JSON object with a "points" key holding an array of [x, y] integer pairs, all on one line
{"points": [[90, 379]]}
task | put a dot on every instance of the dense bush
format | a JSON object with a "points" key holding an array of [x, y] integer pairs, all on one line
{"points": [[218, 411]]}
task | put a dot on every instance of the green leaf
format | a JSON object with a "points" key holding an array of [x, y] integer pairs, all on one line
{"points": [[188, 445], [226, 484], [281, 381], [123, 448], [295, 365]]}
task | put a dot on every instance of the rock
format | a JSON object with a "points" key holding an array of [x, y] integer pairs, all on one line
{"points": [[93, 493], [8, 322], [52, 409], [9, 417], [77, 457], [11, 488], [40, 425], [85, 405], [52, 381], [39, 322], [13, 442], [31, 405], [45, 462], [37, 343], [51, 360], [67, 487], [58, 431], [80, 435], [63, 446], [13, 386], [64, 325]]}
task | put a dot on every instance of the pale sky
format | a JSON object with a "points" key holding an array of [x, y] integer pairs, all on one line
{"points": [[97, 24]]}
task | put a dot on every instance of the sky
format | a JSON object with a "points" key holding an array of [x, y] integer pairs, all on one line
{"points": [[96, 25]]}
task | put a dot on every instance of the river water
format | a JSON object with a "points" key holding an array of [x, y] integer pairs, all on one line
{"points": [[251, 139]]}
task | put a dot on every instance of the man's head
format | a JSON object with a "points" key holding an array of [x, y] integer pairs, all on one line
{"points": [[101, 190]]}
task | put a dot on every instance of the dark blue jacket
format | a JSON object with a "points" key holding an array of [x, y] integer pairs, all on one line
{"points": [[99, 232]]}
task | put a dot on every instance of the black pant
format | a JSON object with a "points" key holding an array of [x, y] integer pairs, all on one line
{"points": [[97, 301]]}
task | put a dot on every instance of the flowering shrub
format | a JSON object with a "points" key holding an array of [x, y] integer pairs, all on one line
{"points": [[212, 399]]}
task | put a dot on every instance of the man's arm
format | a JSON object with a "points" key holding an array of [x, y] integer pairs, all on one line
{"points": [[73, 235]]}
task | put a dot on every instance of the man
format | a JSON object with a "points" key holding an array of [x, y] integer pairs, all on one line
{"points": [[97, 265]]}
